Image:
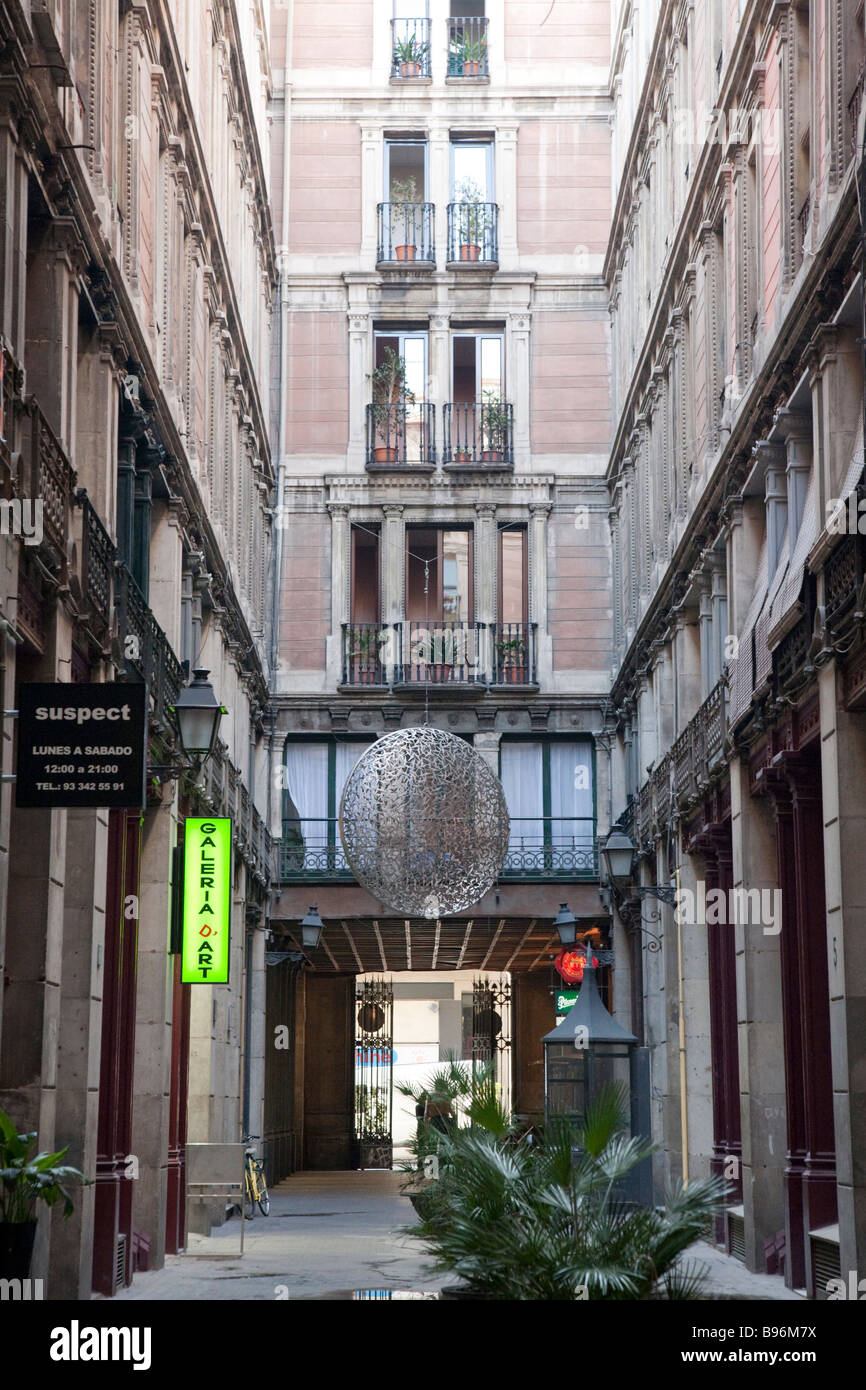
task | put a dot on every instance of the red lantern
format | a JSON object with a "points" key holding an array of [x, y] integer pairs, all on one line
{"points": [[570, 965]]}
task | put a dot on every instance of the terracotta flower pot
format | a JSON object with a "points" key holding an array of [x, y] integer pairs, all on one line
{"points": [[515, 675], [491, 455], [404, 253], [470, 251], [471, 68], [410, 69], [384, 453], [438, 671]]}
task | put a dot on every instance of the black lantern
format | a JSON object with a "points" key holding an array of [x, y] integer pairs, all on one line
{"points": [[618, 855], [311, 929], [587, 1051], [198, 716], [565, 925]]}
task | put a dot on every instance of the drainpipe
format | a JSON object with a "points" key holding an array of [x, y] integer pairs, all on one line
{"points": [[282, 257], [684, 1100]]}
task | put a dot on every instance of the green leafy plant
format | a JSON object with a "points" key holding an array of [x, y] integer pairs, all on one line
{"points": [[474, 216], [391, 395], [466, 49], [437, 648], [512, 651], [371, 1109], [27, 1178], [404, 191], [521, 1220], [411, 49], [468, 1090], [495, 421], [367, 643]]}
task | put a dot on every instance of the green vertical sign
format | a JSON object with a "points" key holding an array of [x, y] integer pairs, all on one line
{"points": [[206, 900]]}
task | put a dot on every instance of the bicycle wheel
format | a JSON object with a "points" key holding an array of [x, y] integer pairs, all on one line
{"points": [[262, 1197]]}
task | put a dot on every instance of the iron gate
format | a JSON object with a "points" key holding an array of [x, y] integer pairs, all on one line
{"points": [[374, 1071], [491, 1031]]}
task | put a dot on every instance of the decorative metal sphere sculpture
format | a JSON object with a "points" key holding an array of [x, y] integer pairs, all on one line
{"points": [[424, 823]]}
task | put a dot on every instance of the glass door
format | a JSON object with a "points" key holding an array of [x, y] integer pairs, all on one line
{"points": [[477, 392], [407, 232], [409, 425]]}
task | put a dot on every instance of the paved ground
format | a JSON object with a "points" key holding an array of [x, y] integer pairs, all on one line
{"points": [[330, 1234]]}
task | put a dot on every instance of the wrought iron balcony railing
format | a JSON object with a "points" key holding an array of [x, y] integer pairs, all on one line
{"points": [[473, 234], [514, 653], [410, 48], [540, 849], [441, 653], [98, 557], [406, 234], [467, 47], [310, 849], [551, 847], [803, 219], [145, 646], [855, 101], [479, 433], [365, 649], [400, 434]]}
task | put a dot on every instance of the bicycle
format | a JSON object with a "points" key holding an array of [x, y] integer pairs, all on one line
{"points": [[255, 1187]]}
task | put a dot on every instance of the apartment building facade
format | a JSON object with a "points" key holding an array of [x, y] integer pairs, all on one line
{"points": [[138, 273], [735, 279], [444, 430]]}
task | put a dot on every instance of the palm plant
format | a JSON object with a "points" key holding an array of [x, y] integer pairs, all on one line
{"points": [[521, 1221], [27, 1178], [410, 52]]}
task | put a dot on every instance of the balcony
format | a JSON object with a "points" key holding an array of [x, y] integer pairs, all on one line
{"points": [[410, 49], [473, 235], [479, 434], [145, 646], [467, 48], [401, 436], [365, 650], [514, 654], [540, 850], [310, 851], [551, 848], [405, 235], [440, 654]]}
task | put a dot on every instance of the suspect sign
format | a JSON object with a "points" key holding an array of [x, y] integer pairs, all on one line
{"points": [[207, 860], [81, 745]]}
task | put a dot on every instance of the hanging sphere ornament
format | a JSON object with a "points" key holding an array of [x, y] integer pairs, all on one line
{"points": [[424, 823]]}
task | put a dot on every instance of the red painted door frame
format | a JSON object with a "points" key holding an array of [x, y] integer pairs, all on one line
{"points": [[175, 1216]]}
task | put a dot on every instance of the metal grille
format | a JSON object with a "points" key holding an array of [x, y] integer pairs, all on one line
{"points": [[473, 233], [826, 1265], [737, 1236], [491, 1031], [374, 1069], [405, 233], [120, 1263]]}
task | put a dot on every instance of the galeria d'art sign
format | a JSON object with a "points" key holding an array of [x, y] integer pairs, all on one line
{"points": [[206, 901]]}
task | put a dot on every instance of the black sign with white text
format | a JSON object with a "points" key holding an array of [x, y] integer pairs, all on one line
{"points": [[81, 745]]}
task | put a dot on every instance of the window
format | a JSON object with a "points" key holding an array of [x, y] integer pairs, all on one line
{"points": [[513, 595], [405, 216], [405, 171], [549, 789], [439, 574], [400, 423], [472, 170], [476, 366], [478, 420], [472, 213], [467, 39], [365, 575], [316, 773], [410, 35]]}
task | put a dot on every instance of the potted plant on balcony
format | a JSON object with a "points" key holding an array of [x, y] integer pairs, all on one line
{"points": [[471, 53], [26, 1179], [366, 645], [410, 54], [511, 652], [474, 220], [404, 195], [494, 426], [391, 395], [436, 651]]}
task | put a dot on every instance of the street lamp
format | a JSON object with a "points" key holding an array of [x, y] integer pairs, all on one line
{"points": [[618, 854], [311, 929], [198, 717], [585, 1052], [565, 925]]}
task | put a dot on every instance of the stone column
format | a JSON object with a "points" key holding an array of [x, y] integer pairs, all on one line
{"points": [[439, 190], [796, 426], [706, 624], [153, 1025], [538, 600], [506, 195], [393, 583], [372, 193], [439, 373], [772, 454], [341, 575], [13, 227], [359, 394], [843, 757], [486, 578], [518, 391], [719, 602], [58, 259], [836, 379], [79, 1043], [759, 1004]]}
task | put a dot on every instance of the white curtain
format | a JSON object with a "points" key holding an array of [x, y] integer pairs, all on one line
{"points": [[347, 755], [306, 808], [571, 793], [523, 783]]}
